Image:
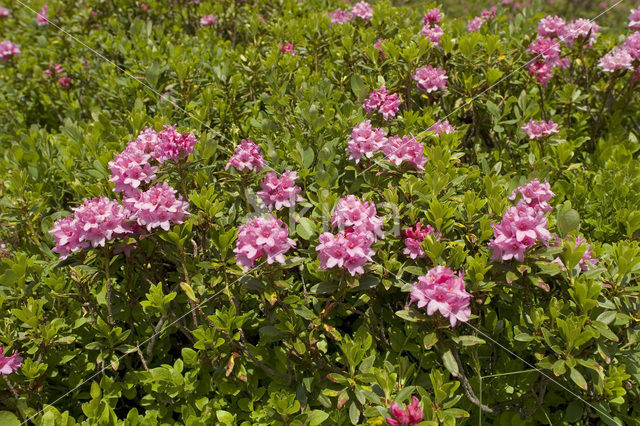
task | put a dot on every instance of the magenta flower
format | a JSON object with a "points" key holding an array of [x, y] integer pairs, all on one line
{"points": [[545, 47], [440, 127], [618, 59], [41, 18], [144, 6], [432, 17], [246, 156], [172, 145], [431, 78], [207, 20], [158, 207], [365, 141], [385, 103], [9, 364], [443, 291], [632, 45], [130, 169], [405, 149], [410, 416], [489, 13], [634, 19], [64, 82], [287, 47], [539, 129], [432, 33], [349, 249], [262, 236], [551, 26], [473, 25], [66, 234], [361, 216], [588, 260], [8, 49], [535, 194], [580, 28], [280, 192], [414, 236], [5, 13], [378, 46], [340, 16], [362, 10], [542, 71]]}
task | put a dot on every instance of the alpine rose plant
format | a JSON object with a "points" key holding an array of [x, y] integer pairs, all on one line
{"points": [[431, 78], [262, 237], [158, 207], [9, 364], [407, 149], [278, 192], [410, 416], [247, 156], [365, 141]]}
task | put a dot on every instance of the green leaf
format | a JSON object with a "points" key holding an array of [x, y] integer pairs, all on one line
{"points": [[354, 413], [578, 378], [306, 228], [316, 417], [225, 417], [450, 363], [7, 418], [568, 221]]}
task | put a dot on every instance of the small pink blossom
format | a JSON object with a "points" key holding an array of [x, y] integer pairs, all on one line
{"points": [[64, 82], [488, 14], [632, 45], [413, 238], [247, 155], [5, 13], [362, 10], [634, 19], [410, 416], [130, 169], [473, 25], [405, 149], [349, 249], [207, 20], [173, 145], [365, 141], [432, 17], [541, 70], [431, 79], [618, 59], [385, 103], [580, 28], [539, 129], [9, 364], [432, 33], [378, 46], [442, 291], [8, 49], [340, 16], [262, 237], [359, 216], [551, 26], [144, 6], [158, 207], [442, 127], [545, 47], [66, 234], [535, 194], [41, 18], [588, 260], [287, 47], [280, 192]]}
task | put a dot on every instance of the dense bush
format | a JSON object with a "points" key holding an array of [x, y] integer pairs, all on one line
{"points": [[243, 213]]}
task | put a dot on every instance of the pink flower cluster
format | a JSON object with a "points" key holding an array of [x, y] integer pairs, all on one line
{"points": [[350, 248], [413, 238], [9, 364], [588, 260], [157, 207], [523, 224], [473, 25], [207, 20], [56, 69], [362, 10], [262, 236], [340, 16], [5, 13], [431, 78], [539, 129], [287, 47], [247, 155], [634, 19], [94, 223], [405, 149], [442, 127], [385, 103], [280, 192], [625, 57], [430, 26], [41, 18], [365, 140], [378, 46], [443, 291], [8, 49], [410, 416]]}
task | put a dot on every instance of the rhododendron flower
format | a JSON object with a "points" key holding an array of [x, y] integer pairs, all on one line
{"points": [[378, 46], [5, 13], [433, 34], [349, 249], [64, 81], [580, 28], [535, 194], [9, 364], [588, 260], [545, 47], [432, 17], [405, 149], [440, 127], [158, 207], [207, 20], [144, 6], [489, 13], [280, 192], [360, 216], [431, 78], [287, 47], [262, 236], [247, 155], [380, 99], [410, 416], [414, 236], [521, 227], [340, 16], [473, 25], [130, 169], [617, 59], [634, 19], [41, 18], [8, 49], [173, 145], [551, 26], [365, 141], [362, 10], [443, 291], [539, 129], [542, 71], [632, 45], [66, 234]]}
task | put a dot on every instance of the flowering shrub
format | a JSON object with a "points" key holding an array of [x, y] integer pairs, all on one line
{"points": [[305, 212]]}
